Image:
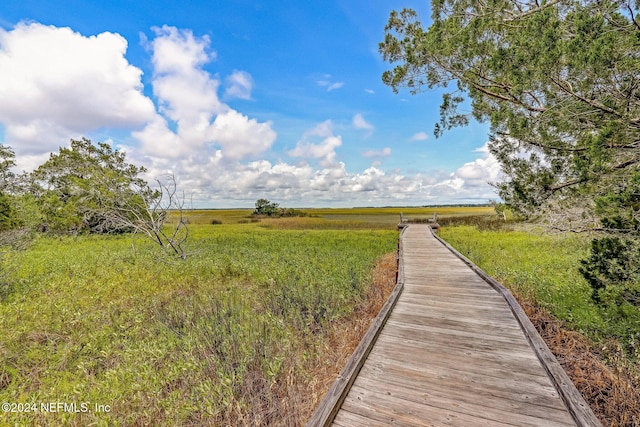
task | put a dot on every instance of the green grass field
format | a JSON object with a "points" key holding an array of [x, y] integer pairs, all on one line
{"points": [[386, 217], [233, 334], [89, 320]]}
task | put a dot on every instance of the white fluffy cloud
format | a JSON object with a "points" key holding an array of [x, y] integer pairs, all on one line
{"points": [[189, 103], [241, 136], [320, 180], [480, 171], [57, 84], [324, 151], [471, 181]]}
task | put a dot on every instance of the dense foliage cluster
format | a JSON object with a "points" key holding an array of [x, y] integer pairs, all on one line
{"points": [[87, 188], [82, 187], [559, 83], [265, 207]]}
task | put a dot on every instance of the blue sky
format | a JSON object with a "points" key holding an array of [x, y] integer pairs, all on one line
{"points": [[238, 99]]}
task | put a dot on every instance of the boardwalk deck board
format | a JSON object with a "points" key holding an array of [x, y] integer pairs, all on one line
{"points": [[452, 352]]}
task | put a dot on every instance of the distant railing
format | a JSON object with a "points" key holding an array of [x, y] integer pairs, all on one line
{"points": [[431, 221]]}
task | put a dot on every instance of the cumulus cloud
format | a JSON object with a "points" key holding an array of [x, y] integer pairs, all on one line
{"points": [[58, 84], [322, 130], [471, 181], [330, 183], [481, 171], [179, 51], [324, 152], [241, 136], [187, 94], [189, 103], [420, 136]]}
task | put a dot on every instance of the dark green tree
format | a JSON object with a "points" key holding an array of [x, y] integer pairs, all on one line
{"points": [[266, 208], [8, 215], [7, 162], [84, 186], [559, 83]]}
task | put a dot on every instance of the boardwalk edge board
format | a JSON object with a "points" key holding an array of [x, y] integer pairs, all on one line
{"points": [[331, 403], [573, 400]]}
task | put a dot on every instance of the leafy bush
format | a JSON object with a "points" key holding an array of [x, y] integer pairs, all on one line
{"points": [[613, 262], [266, 208], [92, 188]]}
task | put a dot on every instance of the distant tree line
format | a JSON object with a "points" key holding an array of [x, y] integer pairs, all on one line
{"points": [[88, 188]]}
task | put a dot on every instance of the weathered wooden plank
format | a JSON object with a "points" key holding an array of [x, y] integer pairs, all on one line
{"points": [[348, 419], [381, 406], [463, 330], [474, 405], [474, 360], [447, 292], [462, 318], [535, 396], [434, 290], [461, 375], [445, 347], [421, 304], [446, 340], [425, 332]]}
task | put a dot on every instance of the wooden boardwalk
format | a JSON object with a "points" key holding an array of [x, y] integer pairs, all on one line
{"points": [[450, 349]]}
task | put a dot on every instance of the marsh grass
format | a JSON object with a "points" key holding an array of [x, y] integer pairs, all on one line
{"points": [[234, 335], [336, 218], [253, 327]]}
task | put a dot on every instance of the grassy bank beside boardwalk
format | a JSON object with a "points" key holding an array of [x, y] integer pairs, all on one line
{"points": [[233, 335]]}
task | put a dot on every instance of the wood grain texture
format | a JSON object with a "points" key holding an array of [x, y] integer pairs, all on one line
{"points": [[453, 350]]}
